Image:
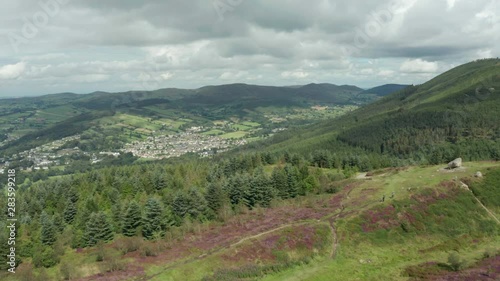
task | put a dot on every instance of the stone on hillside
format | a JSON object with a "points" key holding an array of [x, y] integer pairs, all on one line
{"points": [[478, 175], [457, 163]]}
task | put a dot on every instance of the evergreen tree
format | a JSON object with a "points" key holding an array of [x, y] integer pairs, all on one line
{"points": [[152, 218], [159, 181], [260, 190], [117, 216], [169, 219], [48, 232], [70, 212], [214, 196], [292, 175], [192, 204], [236, 189], [58, 222], [98, 229], [280, 182], [72, 195], [132, 219]]}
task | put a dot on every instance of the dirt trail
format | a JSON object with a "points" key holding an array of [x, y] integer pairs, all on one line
{"points": [[487, 210], [492, 215], [335, 240], [268, 232]]}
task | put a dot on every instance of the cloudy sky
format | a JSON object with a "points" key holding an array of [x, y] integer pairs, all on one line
{"points": [[51, 46]]}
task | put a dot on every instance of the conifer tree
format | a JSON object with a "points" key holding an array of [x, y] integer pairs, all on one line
{"points": [[214, 196], [280, 183], [70, 212], [152, 221], [72, 195], [132, 219], [48, 232], [292, 181], [98, 229], [117, 216]]}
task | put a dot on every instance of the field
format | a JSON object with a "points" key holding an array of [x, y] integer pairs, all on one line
{"points": [[234, 135]]}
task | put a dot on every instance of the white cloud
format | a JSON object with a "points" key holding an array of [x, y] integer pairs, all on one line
{"points": [[90, 78], [12, 71], [166, 75], [295, 74], [386, 73], [451, 4], [367, 71], [483, 54], [419, 66]]}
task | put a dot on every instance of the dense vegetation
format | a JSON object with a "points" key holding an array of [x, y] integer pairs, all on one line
{"points": [[82, 210]]}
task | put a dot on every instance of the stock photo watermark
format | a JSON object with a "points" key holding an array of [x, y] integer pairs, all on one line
{"points": [[11, 220], [221, 7], [373, 27], [32, 26]]}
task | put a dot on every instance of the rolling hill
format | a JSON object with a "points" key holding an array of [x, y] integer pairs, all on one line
{"points": [[31, 122], [452, 115], [385, 90]]}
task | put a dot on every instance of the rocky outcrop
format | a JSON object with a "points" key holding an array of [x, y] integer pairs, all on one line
{"points": [[478, 175], [457, 163]]}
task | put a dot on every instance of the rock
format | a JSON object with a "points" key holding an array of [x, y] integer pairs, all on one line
{"points": [[457, 163], [478, 174]]}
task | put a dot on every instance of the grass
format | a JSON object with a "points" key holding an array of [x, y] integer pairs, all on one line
{"points": [[251, 124], [291, 244], [214, 132], [488, 190], [234, 135], [365, 262], [241, 127], [362, 257]]}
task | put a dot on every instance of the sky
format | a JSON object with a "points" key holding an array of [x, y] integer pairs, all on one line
{"points": [[82, 46]]}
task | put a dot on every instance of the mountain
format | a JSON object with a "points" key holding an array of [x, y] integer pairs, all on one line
{"points": [[31, 122], [249, 96], [455, 114], [384, 90], [344, 94]]}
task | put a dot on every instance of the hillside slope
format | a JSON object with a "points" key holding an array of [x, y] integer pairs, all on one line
{"points": [[452, 115], [384, 90], [393, 224]]}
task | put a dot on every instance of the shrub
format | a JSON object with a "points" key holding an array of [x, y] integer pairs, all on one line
{"points": [[68, 271], [455, 262], [45, 257], [128, 245], [149, 251]]}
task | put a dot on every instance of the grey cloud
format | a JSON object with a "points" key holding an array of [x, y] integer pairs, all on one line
{"points": [[257, 40]]}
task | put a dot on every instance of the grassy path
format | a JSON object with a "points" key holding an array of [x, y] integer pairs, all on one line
{"points": [[492, 215]]}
